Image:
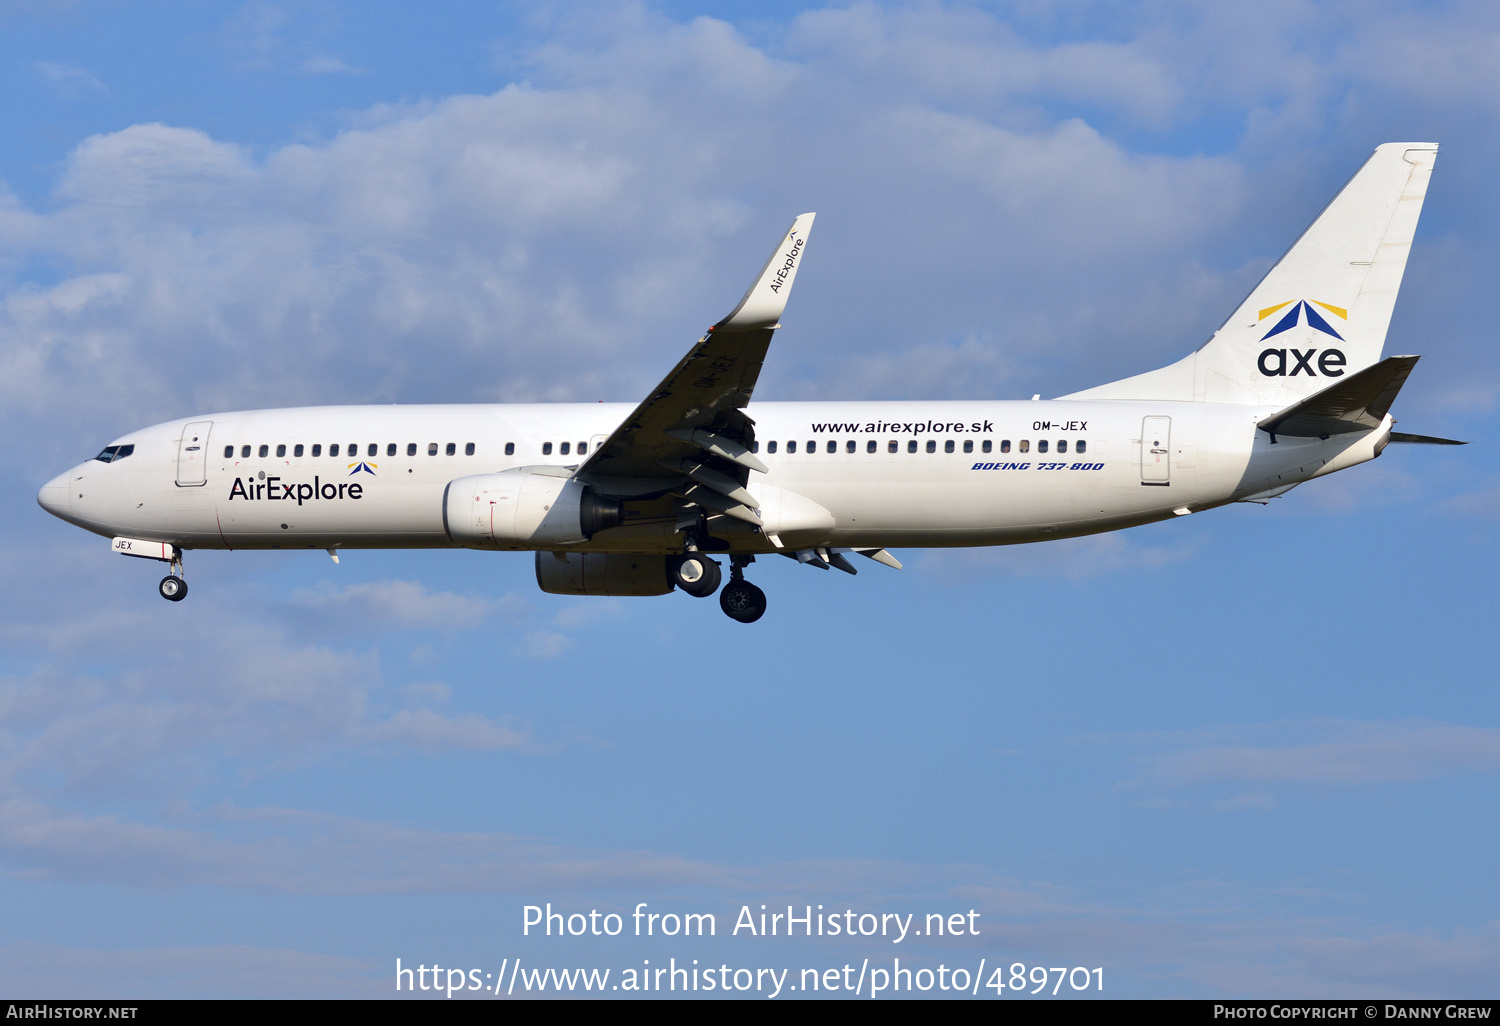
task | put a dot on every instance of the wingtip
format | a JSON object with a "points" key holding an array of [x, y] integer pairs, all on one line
{"points": [[766, 298]]}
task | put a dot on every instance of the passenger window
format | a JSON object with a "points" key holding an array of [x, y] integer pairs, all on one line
{"points": [[755, 446], [469, 449], [432, 448], [948, 445], [1082, 447], [812, 446], [986, 445], [1062, 445], [333, 450], [265, 451], [1005, 445], [353, 449], [892, 446], [583, 447], [1041, 446], [968, 445], [1025, 445], [281, 451], [546, 448], [833, 446], [373, 450], [932, 445], [791, 447], [510, 448], [390, 449], [317, 450], [565, 448], [411, 448], [870, 445], [911, 446], [297, 450], [771, 448], [228, 452], [244, 452], [850, 445]]}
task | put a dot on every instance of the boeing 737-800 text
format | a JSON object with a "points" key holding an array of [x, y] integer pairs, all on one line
{"points": [[637, 500]]}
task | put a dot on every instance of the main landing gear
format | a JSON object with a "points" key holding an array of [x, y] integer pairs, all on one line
{"points": [[172, 587], [696, 574], [699, 576], [740, 599]]}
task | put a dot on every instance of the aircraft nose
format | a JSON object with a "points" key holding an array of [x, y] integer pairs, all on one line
{"points": [[54, 496]]}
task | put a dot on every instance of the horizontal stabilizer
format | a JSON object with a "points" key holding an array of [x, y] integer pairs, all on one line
{"points": [[1357, 403], [1402, 436]]}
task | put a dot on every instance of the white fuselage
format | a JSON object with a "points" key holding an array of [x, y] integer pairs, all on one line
{"points": [[982, 473]]}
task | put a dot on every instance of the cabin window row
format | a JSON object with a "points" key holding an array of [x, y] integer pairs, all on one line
{"points": [[563, 449], [987, 445], [352, 451]]}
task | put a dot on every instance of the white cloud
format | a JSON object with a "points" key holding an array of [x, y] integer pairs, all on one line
{"points": [[231, 693], [542, 644], [328, 65], [433, 732], [1355, 754], [406, 604], [1075, 559], [473, 247], [68, 80], [153, 170]]}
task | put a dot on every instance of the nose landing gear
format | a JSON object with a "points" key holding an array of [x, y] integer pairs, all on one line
{"points": [[172, 587]]}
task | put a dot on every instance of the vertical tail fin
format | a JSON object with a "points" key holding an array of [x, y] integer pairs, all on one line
{"points": [[1322, 311]]}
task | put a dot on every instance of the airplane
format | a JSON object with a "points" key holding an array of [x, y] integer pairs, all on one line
{"points": [[615, 499]]}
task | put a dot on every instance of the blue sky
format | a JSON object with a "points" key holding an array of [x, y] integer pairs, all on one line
{"points": [[1250, 753]]}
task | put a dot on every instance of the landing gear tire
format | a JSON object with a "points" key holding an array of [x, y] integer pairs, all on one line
{"points": [[697, 575], [172, 588], [742, 601]]}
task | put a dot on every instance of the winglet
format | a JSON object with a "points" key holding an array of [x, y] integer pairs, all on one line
{"points": [[762, 305]]}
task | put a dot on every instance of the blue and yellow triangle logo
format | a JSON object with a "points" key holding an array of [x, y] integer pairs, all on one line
{"points": [[368, 468], [1294, 317]]}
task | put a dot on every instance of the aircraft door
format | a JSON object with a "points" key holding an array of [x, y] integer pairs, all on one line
{"points": [[192, 454], [1156, 451], [595, 442]]}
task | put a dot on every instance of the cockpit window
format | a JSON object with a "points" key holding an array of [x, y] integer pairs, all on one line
{"points": [[114, 452]]}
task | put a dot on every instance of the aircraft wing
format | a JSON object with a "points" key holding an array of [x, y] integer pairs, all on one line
{"points": [[691, 434]]}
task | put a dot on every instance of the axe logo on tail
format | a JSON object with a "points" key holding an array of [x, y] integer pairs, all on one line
{"points": [[1288, 363]]}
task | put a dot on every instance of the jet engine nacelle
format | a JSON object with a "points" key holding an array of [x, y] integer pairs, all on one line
{"points": [[525, 508], [602, 573]]}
